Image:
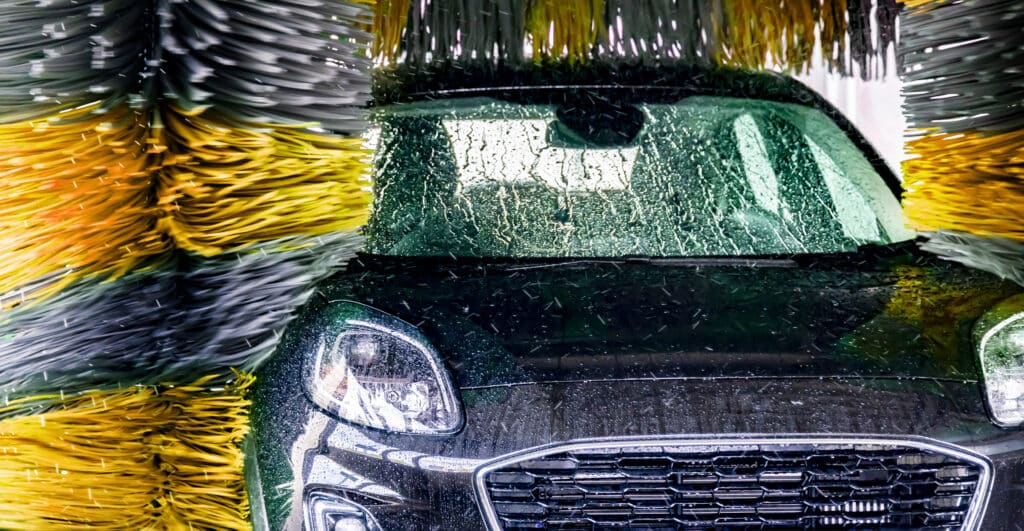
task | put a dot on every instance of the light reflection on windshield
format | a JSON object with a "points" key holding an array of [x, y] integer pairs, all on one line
{"points": [[705, 176]]}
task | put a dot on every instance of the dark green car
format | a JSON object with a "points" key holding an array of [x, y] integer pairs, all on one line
{"points": [[653, 300]]}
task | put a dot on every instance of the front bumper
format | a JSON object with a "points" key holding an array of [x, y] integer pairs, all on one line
{"points": [[425, 482]]}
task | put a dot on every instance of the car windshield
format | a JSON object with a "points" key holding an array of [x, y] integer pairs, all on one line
{"points": [[593, 177]]}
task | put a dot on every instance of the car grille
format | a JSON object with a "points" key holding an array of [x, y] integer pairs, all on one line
{"points": [[764, 486]]}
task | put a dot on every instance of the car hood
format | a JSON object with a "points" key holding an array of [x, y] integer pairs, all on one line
{"points": [[513, 323]]}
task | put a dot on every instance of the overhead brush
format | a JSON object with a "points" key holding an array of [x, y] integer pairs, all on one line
{"points": [[854, 36]]}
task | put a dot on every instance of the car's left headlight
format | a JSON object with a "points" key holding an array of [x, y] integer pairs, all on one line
{"points": [[373, 369], [999, 337]]}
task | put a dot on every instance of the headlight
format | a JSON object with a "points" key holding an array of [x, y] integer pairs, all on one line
{"points": [[1000, 339], [374, 369]]}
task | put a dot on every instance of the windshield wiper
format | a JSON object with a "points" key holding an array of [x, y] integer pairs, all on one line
{"points": [[887, 247], [717, 261], [710, 261], [779, 260], [865, 251]]}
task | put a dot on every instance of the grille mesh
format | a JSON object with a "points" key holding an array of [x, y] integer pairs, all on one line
{"points": [[810, 486]]}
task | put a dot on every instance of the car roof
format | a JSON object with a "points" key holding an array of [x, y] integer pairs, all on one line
{"points": [[412, 83]]}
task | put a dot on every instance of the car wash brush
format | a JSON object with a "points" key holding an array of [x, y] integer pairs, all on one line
{"points": [[243, 138], [192, 315], [141, 457], [262, 121], [75, 164], [176, 177], [964, 179], [853, 36]]}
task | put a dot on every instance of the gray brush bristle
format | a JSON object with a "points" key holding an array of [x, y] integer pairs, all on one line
{"points": [[59, 54], [286, 61], [206, 316], [1001, 256]]}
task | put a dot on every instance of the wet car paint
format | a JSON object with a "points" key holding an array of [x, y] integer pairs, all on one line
{"points": [[544, 352]]}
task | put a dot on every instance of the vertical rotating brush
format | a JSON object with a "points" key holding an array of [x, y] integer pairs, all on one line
{"points": [[75, 162], [264, 179], [964, 87], [214, 174], [158, 457], [244, 192]]}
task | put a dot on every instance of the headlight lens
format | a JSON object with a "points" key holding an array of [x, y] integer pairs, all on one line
{"points": [[374, 369], [1000, 339]]}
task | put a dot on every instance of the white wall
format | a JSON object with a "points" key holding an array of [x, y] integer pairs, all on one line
{"points": [[873, 106]]}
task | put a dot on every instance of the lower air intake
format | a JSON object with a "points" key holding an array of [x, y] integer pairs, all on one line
{"points": [[782, 484]]}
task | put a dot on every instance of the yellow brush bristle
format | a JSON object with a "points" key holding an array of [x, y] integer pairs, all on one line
{"points": [[565, 28], [225, 186], [939, 308], [75, 200], [783, 32], [833, 31], [854, 36], [989, 166], [136, 458], [914, 4], [390, 18]]}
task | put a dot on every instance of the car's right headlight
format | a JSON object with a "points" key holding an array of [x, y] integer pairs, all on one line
{"points": [[999, 336], [374, 369]]}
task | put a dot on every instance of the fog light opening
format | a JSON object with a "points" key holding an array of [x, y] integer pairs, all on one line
{"points": [[330, 511]]}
